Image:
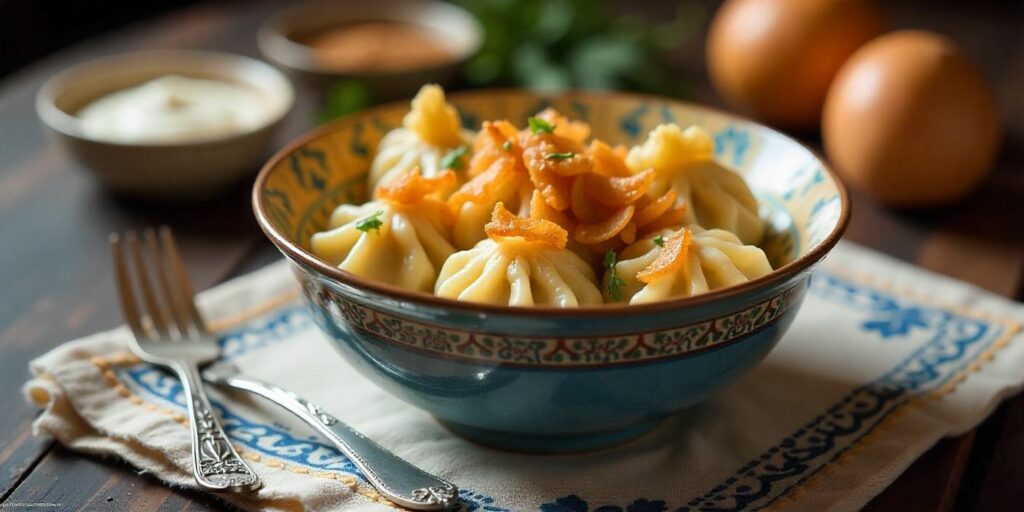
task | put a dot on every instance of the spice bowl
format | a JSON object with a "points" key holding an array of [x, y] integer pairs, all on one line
{"points": [[187, 170], [285, 40]]}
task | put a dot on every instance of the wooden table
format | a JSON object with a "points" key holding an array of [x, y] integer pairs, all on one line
{"points": [[56, 283]]}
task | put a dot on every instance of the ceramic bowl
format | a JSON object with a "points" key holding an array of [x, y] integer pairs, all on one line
{"points": [[456, 28], [175, 170], [548, 379]]}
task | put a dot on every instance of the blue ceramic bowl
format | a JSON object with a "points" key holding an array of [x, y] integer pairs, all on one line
{"points": [[547, 379]]}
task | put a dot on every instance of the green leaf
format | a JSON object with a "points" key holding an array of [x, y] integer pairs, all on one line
{"points": [[538, 126], [659, 241], [372, 222], [615, 283], [559, 156], [453, 158]]}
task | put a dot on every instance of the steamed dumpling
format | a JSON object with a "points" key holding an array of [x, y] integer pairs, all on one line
{"points": [[523, 262], [429, 132], [497, 176], [688, 262], [402, 238], [716, 197]]}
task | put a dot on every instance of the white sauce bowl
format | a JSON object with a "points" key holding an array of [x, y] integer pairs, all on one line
{"points": [[165, 170]]}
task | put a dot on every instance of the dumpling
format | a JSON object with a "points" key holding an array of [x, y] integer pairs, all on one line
{"points": [[682, 263], [402, 238], [523, 262], [716, 197], [429, 132], [497, 175]]}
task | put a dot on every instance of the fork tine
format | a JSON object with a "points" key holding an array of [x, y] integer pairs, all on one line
{"points": [[177, 314], [124, 288], [156, 314], [180, 275]]}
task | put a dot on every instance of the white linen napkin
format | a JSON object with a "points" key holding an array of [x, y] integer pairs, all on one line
{"points": [[882, 361]]}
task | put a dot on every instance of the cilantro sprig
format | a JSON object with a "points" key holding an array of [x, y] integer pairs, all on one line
{"points": [[659, 241], [615, 283], [453, 158], [539, 126], [372, 222], [559, 156]]}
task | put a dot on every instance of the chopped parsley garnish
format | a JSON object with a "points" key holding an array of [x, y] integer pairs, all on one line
{"points": [[371, 222], [538, 126], [659, 241], [507, 146], [559, 156], [453, 158], [615, 283]]}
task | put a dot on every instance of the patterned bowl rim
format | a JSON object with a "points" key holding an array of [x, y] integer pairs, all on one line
{"points": [[778, 276]]}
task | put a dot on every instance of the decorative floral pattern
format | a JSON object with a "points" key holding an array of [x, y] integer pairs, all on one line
{"points": [[549, 352]]}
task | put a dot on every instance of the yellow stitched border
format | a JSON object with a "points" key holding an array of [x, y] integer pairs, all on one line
{"points": [[104, 364], [1011, 327]]}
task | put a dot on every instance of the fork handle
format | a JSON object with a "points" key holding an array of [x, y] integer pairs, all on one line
{"points": [[396, 479], [216, 465]]}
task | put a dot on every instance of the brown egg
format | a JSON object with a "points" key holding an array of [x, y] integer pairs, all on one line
{"points": [[911, 121], [774, 59]]}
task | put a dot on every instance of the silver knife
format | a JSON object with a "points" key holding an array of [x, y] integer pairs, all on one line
{"points": [[393, 477]]}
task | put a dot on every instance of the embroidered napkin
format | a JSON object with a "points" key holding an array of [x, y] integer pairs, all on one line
{"points": [[882, 361]]}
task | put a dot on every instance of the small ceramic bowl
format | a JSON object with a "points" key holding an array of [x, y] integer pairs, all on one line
{"points": [[454, 27], [174, 170], [548, 379]]}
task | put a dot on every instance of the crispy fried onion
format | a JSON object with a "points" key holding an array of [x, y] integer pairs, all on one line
{"points": [[505, 224], [413, 188], [670, 259]]}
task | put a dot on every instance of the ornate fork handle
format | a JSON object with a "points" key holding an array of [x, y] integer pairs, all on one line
{"points": [[396, 479], [216, 465]]}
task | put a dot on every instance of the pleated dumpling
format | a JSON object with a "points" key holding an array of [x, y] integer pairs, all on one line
{"points": [[682, 263], [402, 238], [431, 138], [716, 197], [523, 262], [496, 174]]}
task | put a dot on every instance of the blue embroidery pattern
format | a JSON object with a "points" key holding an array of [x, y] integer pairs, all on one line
{"points": [[573, 503], [956, 340], [953, 341]]}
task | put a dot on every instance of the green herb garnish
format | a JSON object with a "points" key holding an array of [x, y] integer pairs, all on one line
{"points": [[559, 156], [615, 283], [507, 146], [538, 126], [371, 222], [659, 241], [453, 158]]}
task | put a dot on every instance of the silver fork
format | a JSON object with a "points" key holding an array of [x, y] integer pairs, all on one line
{"points": [[175, 337], [396, 479]]}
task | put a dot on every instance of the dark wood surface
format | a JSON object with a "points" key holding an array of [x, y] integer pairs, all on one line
{"points": [[55, 280]]}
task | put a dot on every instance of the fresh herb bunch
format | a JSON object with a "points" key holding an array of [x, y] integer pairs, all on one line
{"points": [[553, 44]]}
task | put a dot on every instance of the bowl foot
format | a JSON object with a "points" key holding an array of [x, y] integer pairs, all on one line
{"points": [[553, 443]]}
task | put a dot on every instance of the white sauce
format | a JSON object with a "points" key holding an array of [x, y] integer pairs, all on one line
{"points": [[174, 109]]}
